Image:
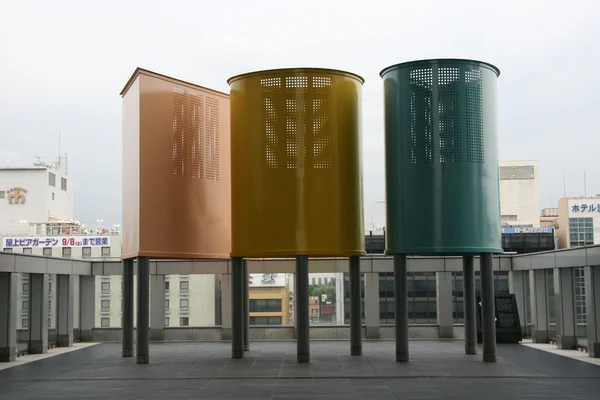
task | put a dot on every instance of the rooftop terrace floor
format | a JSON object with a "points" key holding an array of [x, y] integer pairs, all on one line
{"points": [[204, 370]]}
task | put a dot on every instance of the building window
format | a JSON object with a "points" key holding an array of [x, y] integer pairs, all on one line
{"points": [[104, 322], [86, 252], [315, 311], [325, 281], [47, 251], [184, 286], [51, 180], [25, 305], [184, 303], [265, 305], [66, 251], [167, 304], [25, 323], [184, 321], [8, 250], [314, 281], [25, 288], [105, 287], [320, 282], [167, 321], [105, 305], [27, 250], [265, 320], [167, 286], [581, 232], [2, 194], [63, 184], [106, 251]]}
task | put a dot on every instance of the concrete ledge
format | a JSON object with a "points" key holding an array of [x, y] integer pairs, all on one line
{"points": [[38, 347], [446, 332], [64, 340], [8, 354], [86, 335], [372, 332], [594, 350], [157, 334], [331, 332], [540, 336], [566, 342]]}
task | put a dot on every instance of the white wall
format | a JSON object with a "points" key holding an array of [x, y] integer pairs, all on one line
{"points": [[39, 206], [62, 205], [34, 209], [520, 197]]}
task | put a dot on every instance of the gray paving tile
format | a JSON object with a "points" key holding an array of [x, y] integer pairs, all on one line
{"points": [[178, 370]]}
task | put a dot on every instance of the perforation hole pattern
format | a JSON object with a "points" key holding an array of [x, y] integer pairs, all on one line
{"points": [[460, 134], [296, 115], [474, 117], [195, 135], [449, 115], [421, 115]]}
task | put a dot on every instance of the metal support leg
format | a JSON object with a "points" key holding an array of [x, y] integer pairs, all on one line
{"points": [[302, 321], [355, 308], [127, 327], [65, 293], [143, 310], [469, 306], [246, 300], [488, 318], [38, 313], [8, 316], [401, 307], [237, 308]]}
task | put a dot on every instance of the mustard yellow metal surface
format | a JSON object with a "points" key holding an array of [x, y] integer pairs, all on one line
{"points": [[296, 163]]}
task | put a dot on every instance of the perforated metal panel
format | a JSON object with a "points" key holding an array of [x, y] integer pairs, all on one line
{"points": [[176, 169], [195, 135], [441, 158], [296, 174], [296, 112]]}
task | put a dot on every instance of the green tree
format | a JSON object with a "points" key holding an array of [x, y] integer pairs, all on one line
{"points": [[318, 290]]}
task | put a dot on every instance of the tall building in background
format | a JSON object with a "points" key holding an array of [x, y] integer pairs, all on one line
{"points": [[578, 221], [37, 218], [35, 196], [519, 194]]}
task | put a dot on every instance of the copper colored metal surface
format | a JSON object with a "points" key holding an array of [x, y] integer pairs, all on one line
{"points": [[176, 169]]}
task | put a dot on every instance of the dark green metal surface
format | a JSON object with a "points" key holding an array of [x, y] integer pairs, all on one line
{"points": [[442, 178]]}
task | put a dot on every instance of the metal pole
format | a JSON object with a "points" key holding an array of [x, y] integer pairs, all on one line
{"points": [[302, 321], [401, 304], [246, 301], [469, 305], [355, 309], [143, 310], [127, 308], [237, 308], [488, 318]]}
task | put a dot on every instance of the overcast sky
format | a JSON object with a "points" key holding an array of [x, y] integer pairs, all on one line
{"points": [[63, 64]]}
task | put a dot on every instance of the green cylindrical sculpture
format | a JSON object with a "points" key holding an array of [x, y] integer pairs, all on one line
{"points": [[442, 174]]}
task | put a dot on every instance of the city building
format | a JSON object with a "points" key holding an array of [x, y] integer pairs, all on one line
{"points": [[37, 218], [36, 197], [578, 221], [519, 193], [314, 309], [269, 298]]}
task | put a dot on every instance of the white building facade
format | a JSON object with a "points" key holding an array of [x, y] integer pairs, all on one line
{"points": [[519, 194]]}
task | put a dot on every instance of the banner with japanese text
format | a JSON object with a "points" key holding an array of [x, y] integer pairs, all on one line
{"points": [[56, 241]]}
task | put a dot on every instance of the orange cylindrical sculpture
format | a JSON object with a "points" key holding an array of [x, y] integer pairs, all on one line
{"points": [[176, 169], [296, 163]]}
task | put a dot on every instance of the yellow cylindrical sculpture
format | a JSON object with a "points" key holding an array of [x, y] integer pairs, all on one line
{"points": [[296, 172]]}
